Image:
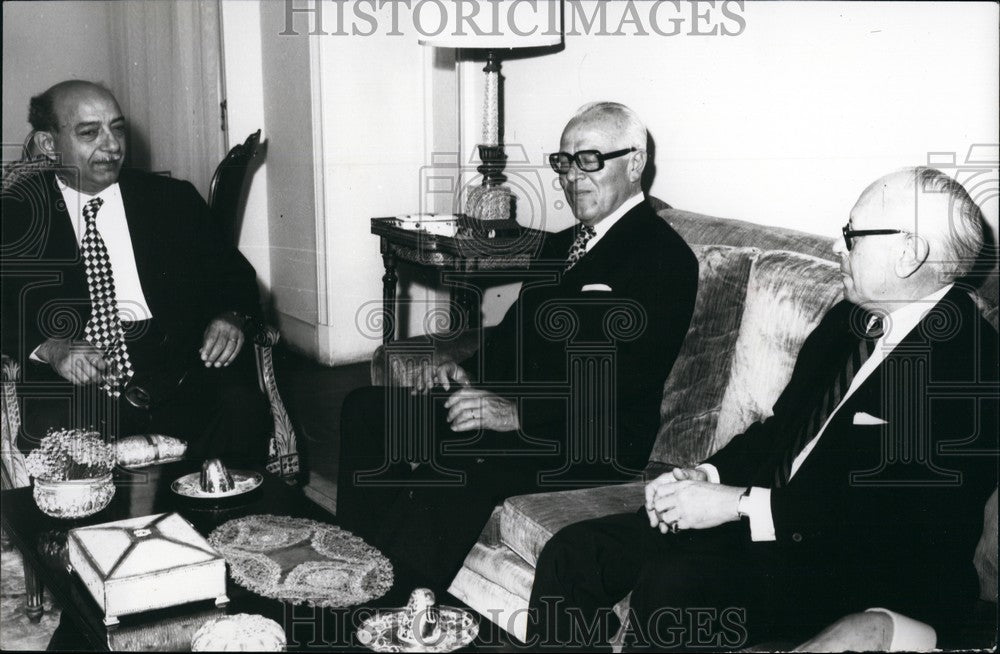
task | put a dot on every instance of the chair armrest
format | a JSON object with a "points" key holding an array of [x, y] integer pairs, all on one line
{"points": [[261, 333], [12, 465]]}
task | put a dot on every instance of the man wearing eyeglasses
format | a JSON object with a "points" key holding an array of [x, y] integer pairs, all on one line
{"points": [[864, 489], [623, 285]]}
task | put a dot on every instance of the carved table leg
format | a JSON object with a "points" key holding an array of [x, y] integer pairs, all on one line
{"points": [[389, 280], [33, 595]]}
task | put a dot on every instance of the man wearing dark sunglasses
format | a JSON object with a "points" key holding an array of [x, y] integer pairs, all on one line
{"points": [[625, 284], [865, 488]]}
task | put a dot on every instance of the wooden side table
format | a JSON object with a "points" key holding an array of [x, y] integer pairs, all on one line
{"points": [[464, 254]]}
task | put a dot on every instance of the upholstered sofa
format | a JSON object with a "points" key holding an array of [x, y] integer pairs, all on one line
{"points": [[761, 291]]}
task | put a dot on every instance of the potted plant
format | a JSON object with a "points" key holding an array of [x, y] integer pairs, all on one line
{"points": [[72, 472]]}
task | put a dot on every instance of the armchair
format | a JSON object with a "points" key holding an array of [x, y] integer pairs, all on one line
{"points": [[225, 199]]}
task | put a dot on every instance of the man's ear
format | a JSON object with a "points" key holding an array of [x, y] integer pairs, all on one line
{"points": [[45, 143], [912, 256], [636, 164]]}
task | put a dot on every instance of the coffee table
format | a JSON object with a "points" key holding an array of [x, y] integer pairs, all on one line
{"points": [[41, 540]]}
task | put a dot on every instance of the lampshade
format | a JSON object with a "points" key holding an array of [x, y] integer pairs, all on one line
{"points": [[489, 24]]}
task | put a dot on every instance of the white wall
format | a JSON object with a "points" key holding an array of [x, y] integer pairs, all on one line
{"points": [[37, 54], [383, 105], [244, 93], [292, 209], [783, 124]]}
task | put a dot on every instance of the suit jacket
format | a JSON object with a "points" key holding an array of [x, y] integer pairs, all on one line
{"points": [[188, 274], [630, 298], [887, 514]]}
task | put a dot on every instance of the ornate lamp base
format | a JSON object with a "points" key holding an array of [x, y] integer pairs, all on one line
{"points": [[493, 200]]}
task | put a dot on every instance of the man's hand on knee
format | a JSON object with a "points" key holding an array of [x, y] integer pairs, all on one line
{"points": [[471, 409], [76, 361], [222, 341]]}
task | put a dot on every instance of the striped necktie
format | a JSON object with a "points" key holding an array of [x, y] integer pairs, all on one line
{"points": [[104, 329], [831, 397]]}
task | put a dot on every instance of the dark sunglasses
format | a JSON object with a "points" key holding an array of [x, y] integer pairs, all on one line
{"points": [[851, 234], [589, 161]]}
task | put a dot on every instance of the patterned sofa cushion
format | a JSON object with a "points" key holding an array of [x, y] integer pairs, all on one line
{"points": [[787, 295], [693, 392]]}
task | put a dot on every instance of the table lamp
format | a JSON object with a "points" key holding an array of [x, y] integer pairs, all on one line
{"points": [[497, 29]]}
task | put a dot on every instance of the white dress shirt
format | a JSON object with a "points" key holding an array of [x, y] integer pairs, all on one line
{"points": [[114, 231], [606, 223]]}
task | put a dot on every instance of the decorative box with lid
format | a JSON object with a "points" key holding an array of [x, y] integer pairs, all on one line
{"points": [[146, 563]]}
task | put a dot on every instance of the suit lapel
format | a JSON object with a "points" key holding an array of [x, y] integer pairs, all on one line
{"points": [[137, 214], [882, 389], [61, 245]]}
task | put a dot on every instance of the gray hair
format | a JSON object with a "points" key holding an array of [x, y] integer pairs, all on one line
{"points": [[961, 234], [625, 121]]}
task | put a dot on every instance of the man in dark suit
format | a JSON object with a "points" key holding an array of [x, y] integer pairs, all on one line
{"points": [[565, 392], [865, 488], [115, 284]]}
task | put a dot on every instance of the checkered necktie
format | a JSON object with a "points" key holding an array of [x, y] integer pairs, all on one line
{"points": [[579, 248], [831, 398], [104, 329]]}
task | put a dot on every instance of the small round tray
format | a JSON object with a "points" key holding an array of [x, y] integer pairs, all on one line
{"points": [[189, 486], [378, 633]]}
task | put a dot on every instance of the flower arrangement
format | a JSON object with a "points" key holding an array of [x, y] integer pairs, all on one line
{"points": [[67, 454]]}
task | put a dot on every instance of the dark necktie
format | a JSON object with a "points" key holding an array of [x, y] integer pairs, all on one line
{"points": [[579, 248], [104, 329], [831, 398]]}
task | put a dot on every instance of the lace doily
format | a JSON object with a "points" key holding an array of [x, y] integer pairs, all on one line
{"points": [[302, 561]]}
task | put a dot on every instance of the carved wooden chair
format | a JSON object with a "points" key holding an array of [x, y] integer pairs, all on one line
{"points": [[14, 473], [225, 199]]}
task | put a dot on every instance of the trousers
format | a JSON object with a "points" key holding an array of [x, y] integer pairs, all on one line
{"points": [[220, 412], [419, 491], [708, 589]]}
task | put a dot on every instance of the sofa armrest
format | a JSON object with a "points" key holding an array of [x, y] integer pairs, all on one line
{"points": [[654, 469]]}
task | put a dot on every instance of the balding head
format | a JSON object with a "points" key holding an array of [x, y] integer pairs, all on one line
{"points": [[80, 125], [42, 109], [939, 237]]}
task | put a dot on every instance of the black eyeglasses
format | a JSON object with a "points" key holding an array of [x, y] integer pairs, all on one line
{"points": [[589, 161], [851, 234]]}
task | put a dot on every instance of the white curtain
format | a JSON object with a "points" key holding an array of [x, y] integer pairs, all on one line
{"points": [[167, 75]]}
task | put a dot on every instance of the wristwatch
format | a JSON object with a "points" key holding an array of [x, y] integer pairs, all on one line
{"points": [[741, 503]]}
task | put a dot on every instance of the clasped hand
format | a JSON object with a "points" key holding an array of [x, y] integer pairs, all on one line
{"points": [[474, 408], [469, 408], [78, 362], [423, 377], [684, 497]]}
